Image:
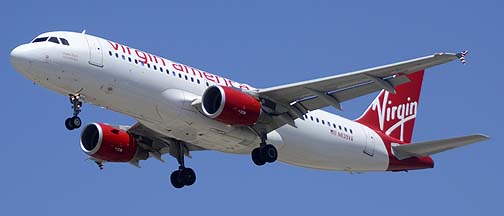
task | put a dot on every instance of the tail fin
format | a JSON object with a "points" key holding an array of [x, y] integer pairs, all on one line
{"points": [[394, 114]]}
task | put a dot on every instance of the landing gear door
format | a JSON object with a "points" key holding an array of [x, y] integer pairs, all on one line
{"points": [[95, 51], [370, 143]]}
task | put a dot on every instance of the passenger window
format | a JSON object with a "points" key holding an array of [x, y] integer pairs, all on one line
{"points": [[129, 59], [329, 124], [351, 131], [123, 57], [198, 81], [345, 130], [161, 69], [64, 41], [117, 55], [192, 79], [148, 65], [42, 39], [323, 122], [54, 40], [155, 68], [311, 117], [185, 77], [339, 126], [180, 76], [317, 120], [207, 84], [174, 74], [136, 61], [110, 53], [334, 125]]}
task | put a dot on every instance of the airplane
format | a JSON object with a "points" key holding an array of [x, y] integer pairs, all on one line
{"points": [[180, 109]]}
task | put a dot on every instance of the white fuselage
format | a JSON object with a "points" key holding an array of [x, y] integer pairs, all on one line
{"points": [[158, 93]]}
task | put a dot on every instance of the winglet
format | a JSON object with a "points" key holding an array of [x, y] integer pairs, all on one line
{"points": [[461, 56]]}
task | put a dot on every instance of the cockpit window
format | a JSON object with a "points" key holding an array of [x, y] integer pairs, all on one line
{"points": [[54, 40], [64, 41], [41, 39]]}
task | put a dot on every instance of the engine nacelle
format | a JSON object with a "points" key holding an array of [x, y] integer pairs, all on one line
{"points": [[230, 106], [107, 143]]}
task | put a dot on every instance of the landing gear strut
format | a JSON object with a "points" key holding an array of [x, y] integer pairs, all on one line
{"points": [[265, 153], [184, 176], [74, 122]]}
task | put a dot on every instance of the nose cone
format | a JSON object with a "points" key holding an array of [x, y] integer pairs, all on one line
{"points": [[20, 58]]}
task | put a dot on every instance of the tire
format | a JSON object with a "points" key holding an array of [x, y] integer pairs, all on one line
{"points": [[188, 176], [256, 157], [175, 179], [68, 124], [75, 122], [269, 153]]}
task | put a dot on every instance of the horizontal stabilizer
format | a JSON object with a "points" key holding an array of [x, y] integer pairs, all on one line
{"points": [[423, 149]]}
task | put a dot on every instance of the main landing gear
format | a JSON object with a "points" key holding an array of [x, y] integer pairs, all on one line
{"points": [[74, 122], [184, 176], [265, 153]]}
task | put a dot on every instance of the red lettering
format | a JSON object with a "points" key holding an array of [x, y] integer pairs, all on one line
{"points": [[143, 57], [217, 79], [200, 75], [114, 45], [155, 59], [243, 86], [193, 71], [150, 57], [162, 60], [208, 76], [129, 51], [124, 50], [177, 67], [231, 83], [187, 71]]}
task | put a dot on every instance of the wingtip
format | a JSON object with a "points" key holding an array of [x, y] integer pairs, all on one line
{"points": [[483, 136], [461, 56]]}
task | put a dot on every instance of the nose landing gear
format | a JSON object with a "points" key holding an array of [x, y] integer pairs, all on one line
{"points": [[74, 122]]}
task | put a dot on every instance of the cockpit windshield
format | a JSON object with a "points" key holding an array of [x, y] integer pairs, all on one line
{"points": [[40, 39], [52, 39]]}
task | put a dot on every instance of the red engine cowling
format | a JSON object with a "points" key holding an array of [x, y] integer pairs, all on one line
{"points": [[230, 106], [108, 143]]}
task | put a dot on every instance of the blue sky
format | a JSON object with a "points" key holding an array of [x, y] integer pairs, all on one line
{"points": [[263, 43]]}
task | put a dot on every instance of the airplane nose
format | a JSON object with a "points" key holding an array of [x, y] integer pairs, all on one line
{"points": [[19, 58]]}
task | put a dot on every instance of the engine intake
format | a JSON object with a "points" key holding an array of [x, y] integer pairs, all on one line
{"points": [[230, 106], [107, 143]]}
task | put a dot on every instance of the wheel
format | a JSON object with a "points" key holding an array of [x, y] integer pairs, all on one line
{"points": [[175, 179], [269, 153], [256, 157], [68, 124], [188, 176], [75, 122]]}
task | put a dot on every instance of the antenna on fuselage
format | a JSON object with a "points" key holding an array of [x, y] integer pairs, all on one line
{"points": [[84, 31]]}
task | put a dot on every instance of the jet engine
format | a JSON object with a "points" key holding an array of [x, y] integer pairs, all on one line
{"points": [[230, 106], [108, 143]]}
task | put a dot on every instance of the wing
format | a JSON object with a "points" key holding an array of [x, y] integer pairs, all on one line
{"points": [[291, 101]]}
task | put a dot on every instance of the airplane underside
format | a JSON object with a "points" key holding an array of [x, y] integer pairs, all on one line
{"points": [[181, 109]]}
